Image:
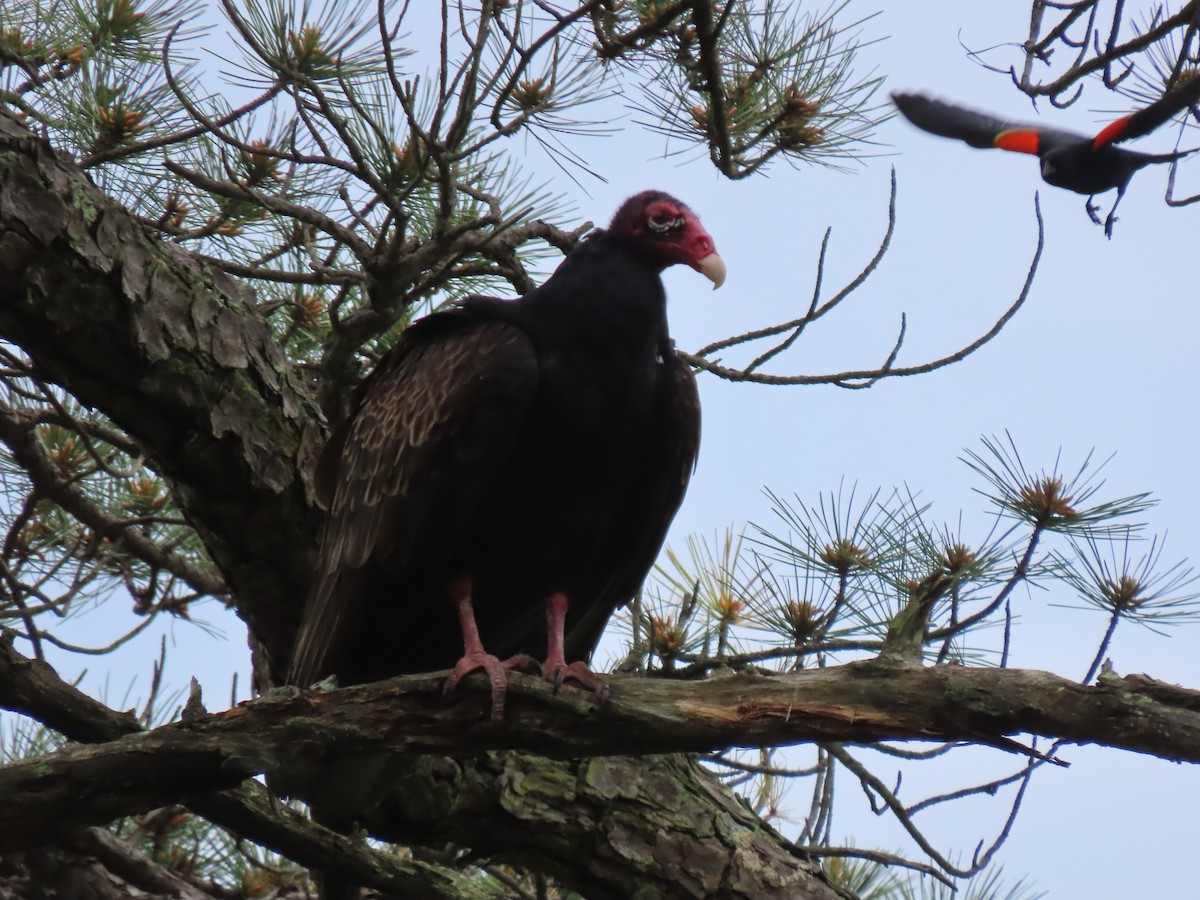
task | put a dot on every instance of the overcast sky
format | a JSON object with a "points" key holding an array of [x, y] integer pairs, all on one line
{"points": [[1102, 356]]}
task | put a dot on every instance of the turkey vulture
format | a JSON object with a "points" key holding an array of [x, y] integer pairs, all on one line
{"points": [[508, 471], [1077, 162]]}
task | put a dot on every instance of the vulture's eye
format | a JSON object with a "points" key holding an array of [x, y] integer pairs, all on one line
{"points": [[661, 222]]}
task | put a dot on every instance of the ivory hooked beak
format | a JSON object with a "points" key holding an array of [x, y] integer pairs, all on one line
{"points": [[712, 267]]}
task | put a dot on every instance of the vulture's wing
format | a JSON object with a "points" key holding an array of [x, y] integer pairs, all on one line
{"points": [[431, 425], [655, 492]]}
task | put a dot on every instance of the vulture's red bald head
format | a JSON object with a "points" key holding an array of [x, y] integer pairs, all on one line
{"points": [[664, 231]]}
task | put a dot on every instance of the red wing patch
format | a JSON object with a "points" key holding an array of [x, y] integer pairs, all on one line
{"points": [[1018, 140], [1112, 132]]}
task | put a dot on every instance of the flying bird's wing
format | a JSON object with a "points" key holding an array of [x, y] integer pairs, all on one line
{"points": [[431, 424], [976, 128], [652, 499], [1151, 117]]}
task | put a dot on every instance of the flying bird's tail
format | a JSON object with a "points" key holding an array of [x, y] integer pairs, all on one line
{"points": [[1171, 157], [1148, 159]]}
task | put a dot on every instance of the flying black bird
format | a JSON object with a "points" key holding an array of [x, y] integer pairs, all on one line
{"points": [[509, 470], [1086, 165]]}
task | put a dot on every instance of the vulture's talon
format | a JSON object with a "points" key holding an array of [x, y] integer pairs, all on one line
{"points": [[557, 673], [497, 673]]}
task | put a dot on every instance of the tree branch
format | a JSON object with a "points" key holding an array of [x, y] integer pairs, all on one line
{"points": [[301, 734], [860, 378], [17, 432], [176, 354], [126, 861], [32, 687], [511, 806]]}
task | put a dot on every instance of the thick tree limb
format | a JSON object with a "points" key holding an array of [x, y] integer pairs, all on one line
{"points": [[592, 822], [125, 861], [73, 869], [176, 354], [641, 819], [31, 687], [856, 703]]}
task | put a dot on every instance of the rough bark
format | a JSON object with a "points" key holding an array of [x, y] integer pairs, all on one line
{"points": [[659, 816], [591, 822], [650, 827], [303, 734], [178, 356], [73, 870]]}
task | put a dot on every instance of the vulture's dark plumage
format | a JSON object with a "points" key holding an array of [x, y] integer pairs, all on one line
{"points": [[510, 467]]}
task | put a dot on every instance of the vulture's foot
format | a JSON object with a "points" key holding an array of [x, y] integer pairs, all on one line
{"points": [[497, 672], [558, 671]]}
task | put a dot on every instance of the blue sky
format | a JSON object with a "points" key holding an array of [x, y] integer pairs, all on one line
{"points": [[1102, 356]]}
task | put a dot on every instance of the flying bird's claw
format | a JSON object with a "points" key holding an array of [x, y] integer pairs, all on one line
{"points": [[1093, 212], [497, 672], [1108, 225], [559, 672]]}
